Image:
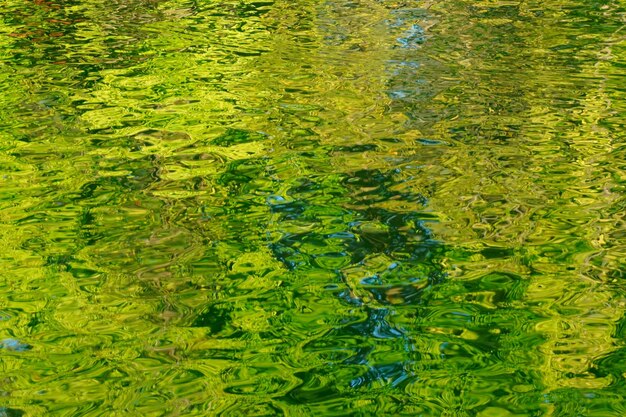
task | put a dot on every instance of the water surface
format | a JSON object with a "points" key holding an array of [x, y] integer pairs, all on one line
{"points": [[312, 208]]}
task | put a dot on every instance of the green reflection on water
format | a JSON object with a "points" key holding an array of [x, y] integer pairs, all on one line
{"points": [[312, 208]]}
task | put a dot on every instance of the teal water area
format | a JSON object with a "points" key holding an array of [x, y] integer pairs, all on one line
{"points": [[312, 208]]}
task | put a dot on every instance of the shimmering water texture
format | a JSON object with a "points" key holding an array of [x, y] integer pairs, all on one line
{"points": [[312, 208]]}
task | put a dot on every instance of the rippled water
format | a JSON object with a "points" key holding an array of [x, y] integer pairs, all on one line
{"points": [[312, 208]]}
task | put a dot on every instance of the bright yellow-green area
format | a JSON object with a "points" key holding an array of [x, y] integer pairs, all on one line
{"points": [[312, 208]]}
